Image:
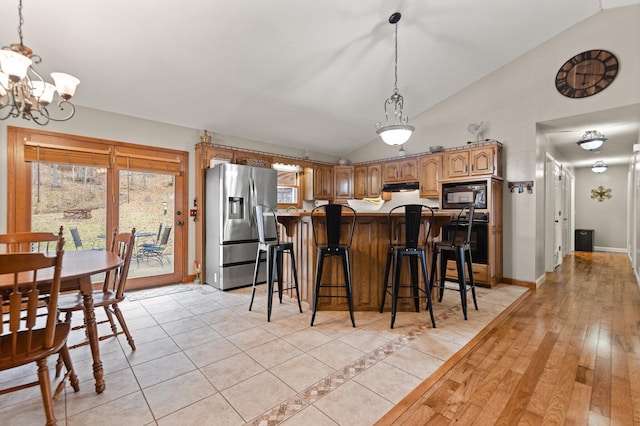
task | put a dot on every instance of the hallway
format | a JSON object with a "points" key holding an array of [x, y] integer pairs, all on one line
{"points": [[566, 355]]}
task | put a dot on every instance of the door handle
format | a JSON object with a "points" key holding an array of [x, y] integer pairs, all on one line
{"points": [[179, 222]]}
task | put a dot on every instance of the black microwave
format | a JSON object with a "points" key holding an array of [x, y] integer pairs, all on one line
{"points": [[456, 195]]}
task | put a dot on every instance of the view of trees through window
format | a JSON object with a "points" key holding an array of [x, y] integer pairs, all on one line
{"points": [[76, 197]]}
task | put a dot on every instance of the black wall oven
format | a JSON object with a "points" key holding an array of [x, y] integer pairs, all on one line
{"points": [[456, 195], [479, 236]]}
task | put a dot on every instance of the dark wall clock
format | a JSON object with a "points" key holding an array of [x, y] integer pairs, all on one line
{"points": [[587, 73]]}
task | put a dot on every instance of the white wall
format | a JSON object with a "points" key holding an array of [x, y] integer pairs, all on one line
{"points": [[608, 218], [516, 97]]}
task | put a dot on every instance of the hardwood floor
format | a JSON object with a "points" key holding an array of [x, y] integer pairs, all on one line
{"points": [[568, 354]]}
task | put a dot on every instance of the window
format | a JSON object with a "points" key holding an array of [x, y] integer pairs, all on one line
{"points": [[287, 187]]}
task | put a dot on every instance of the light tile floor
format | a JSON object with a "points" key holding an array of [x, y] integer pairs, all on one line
{"points": [[203, 358]]}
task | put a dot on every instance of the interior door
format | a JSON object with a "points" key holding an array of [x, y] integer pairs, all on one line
{"points": [[557, 215]]}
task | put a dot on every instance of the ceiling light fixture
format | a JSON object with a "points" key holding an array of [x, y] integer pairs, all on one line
{"points": [[591, 140], [599, 167], [397, 132], [23, 91]]}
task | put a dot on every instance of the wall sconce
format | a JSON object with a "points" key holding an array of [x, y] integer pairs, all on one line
{"points": [[520, 186]]}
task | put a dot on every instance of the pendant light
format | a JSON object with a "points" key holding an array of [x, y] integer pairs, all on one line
{"points": [[599, 167], [397, 131]]}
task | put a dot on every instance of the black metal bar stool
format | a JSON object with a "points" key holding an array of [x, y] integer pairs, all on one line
{"points": [[327, 223], [408, 244], [457, 244], [274, 251]]}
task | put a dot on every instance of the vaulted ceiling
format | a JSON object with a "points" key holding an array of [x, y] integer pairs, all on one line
{"points": [[306, 74]]}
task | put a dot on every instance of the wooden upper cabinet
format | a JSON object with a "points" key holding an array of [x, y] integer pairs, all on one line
{"points": [[343, 182], [400, 171], [478, 161], [481, 160], [430, 172], [367, 181], [374, 180], [456, 163], [323, 182], [360, 181], [208, 153]]}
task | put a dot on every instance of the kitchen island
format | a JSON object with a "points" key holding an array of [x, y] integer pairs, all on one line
{"points": [[368, 259]]}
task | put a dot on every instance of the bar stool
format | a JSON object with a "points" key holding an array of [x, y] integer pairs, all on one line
{"points": [[274, 251], [327, 222], [408, 244], [457, 244]]}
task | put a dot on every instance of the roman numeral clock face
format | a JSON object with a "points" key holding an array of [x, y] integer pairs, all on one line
{"points": [[587, 73]]}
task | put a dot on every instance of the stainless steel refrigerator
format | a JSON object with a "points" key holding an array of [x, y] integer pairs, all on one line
{"points": [[231, 236]]}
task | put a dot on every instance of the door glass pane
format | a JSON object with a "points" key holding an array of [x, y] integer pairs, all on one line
{"points": [[73, 196], [147, 203]]}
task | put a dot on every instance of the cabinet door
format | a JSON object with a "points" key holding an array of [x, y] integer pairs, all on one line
{"points": [[323, 183], [456, 163], [343, 182], [360, 182], [390, 172], [430, 172], [408, 170], [482, 161], [374, 180]]}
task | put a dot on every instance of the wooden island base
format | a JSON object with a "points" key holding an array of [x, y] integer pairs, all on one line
{"points": [[368, 259]]}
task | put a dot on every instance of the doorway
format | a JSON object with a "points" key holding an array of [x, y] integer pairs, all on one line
{"points": [[93, 186]]}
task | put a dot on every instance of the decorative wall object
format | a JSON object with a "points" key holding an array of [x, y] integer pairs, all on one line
{"points": [[601, 193]]}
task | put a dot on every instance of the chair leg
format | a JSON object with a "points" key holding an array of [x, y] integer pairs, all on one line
{"points": [[295, 278], [272, 258], [256, 269], [413, 268], [462, 280], [386, 280], [66, 359], [114, 328], [278, 262], [434, 263], [319, 264], [444, 257], [347, 278], [427, 285], [471, 281], [395, 285], [123, 325], [45, 390]]}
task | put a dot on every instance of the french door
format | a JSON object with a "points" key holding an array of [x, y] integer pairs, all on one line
{"points": [[92, 187]]}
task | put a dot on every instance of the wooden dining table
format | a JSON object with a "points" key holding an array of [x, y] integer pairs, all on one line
{"points": [[77, 269]]}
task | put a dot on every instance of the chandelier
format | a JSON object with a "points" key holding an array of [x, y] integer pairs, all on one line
{"points": [[398, 131], [23, 91], [599, 167], [591, 140]]}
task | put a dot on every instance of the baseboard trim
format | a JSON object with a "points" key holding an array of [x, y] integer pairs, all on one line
{"points": [[528, 284]]}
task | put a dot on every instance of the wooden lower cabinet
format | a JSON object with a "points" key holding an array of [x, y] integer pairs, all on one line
{"points": [[480, 272]]}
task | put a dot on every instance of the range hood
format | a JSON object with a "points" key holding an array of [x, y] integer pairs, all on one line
{"points": [[400, 187]]}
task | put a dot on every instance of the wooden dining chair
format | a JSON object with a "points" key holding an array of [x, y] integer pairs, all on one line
{"points": [[112, 292], [23, 338], [28, 242]]}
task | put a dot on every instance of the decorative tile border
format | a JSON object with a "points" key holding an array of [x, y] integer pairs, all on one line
{"points": [[308, 396]]}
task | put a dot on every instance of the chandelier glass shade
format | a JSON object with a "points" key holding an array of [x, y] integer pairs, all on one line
{"points": [[599, 167], [23, 91], [591, 140], [395, 130]]}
